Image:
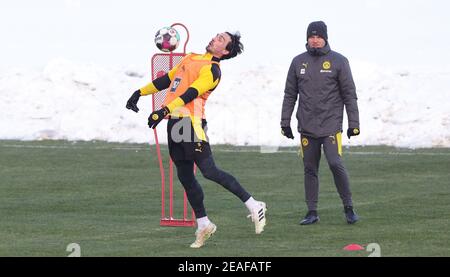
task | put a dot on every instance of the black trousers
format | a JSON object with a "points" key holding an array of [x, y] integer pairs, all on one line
{"points": [[194, 192], [311, 152], [185, 149]]}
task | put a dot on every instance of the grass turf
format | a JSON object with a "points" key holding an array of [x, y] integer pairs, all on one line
{"points": [[106, 198]]}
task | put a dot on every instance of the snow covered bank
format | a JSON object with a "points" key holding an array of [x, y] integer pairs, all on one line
{"points": [[66, 100]]}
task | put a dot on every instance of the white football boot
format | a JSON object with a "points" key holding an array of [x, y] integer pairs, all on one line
{"points": [[258, 217], [202, 235]]}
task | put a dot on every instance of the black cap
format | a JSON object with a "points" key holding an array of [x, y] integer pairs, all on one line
{"points": [[317, 28]]}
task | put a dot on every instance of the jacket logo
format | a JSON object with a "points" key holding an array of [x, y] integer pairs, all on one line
{"points": [[326, 67], [303, 69], [175, 84]]}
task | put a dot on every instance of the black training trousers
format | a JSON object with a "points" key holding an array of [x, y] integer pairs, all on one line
{"points": [[311, 152], [194, 192]]}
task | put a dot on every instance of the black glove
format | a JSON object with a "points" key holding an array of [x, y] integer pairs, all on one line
{"points": [[156, 117], [352, 132], [287, 132], [132, 102]]}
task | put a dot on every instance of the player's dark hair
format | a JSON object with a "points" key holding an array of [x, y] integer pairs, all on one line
{"points": [[235, 46]]}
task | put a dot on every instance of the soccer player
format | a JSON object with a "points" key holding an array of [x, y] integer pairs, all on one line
{"points": [[190, 84], [323, 82]]}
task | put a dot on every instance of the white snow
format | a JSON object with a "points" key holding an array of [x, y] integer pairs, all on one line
{"points": [[397, 51], [403, 107]]}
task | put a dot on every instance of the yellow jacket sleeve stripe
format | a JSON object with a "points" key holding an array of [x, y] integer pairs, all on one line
{"points": [[206, 80], [209, 78], [148, 89]]}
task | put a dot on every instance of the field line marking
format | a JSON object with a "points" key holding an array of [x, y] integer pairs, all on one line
{"points": [[216, 150]]}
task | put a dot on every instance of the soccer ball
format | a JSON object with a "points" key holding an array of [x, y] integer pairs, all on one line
{"points": [[167, 39]]}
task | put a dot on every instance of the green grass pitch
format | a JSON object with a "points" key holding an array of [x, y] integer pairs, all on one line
{"points": [[106, 197]]}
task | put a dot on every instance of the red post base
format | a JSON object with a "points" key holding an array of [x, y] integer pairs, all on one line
{"points": [[177, 222]]}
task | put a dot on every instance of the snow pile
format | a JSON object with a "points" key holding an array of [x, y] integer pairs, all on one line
{"points": [[66, 100]]}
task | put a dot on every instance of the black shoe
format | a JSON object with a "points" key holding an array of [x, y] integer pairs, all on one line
{"points": [[310, 218], [350, 215]]}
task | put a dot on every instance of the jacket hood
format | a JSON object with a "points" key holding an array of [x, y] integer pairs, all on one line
{"points": [[318, 51]]}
